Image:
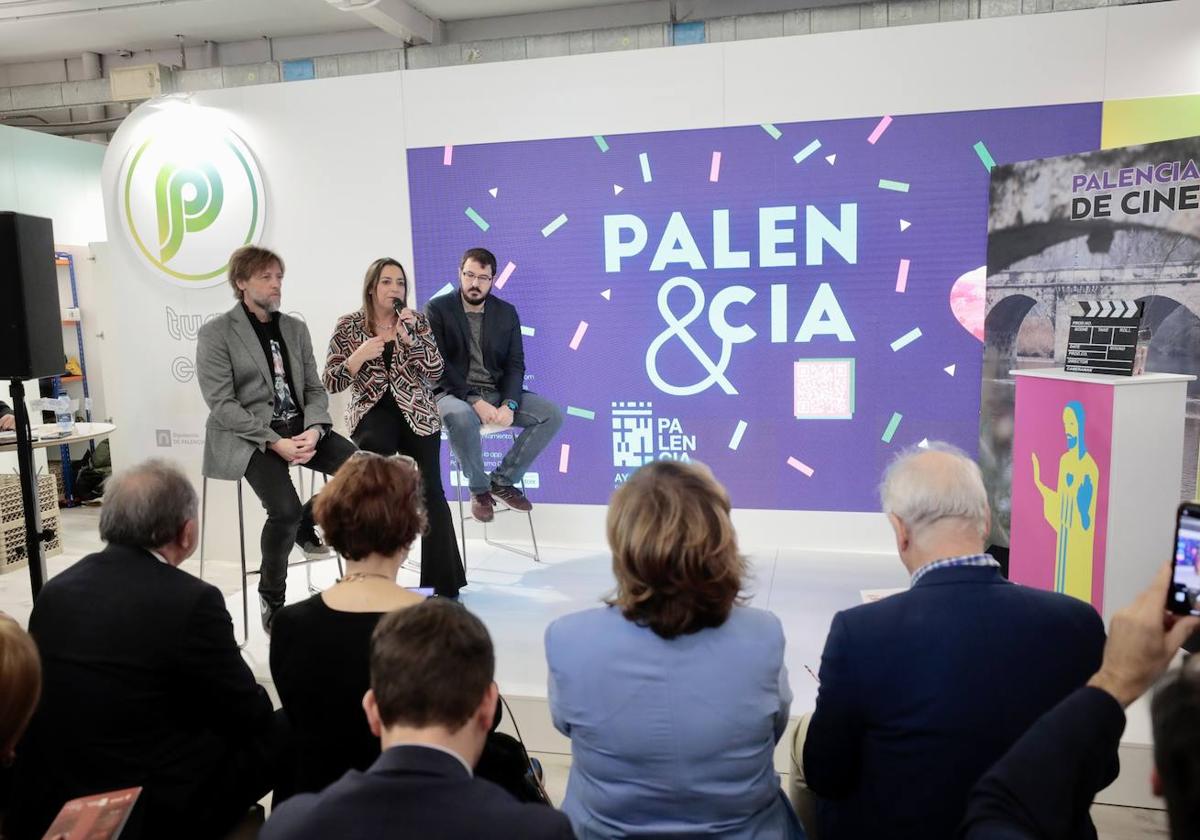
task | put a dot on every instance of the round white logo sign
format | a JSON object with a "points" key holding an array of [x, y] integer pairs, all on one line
{"points": [[189, 194]]}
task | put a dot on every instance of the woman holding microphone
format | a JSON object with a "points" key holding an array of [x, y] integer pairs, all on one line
{"points": [[386, 354]]}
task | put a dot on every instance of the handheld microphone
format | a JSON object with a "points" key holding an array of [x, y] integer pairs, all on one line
{"points": [[398, 305]]}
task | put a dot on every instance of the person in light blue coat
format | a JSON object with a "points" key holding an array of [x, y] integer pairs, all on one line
{"points": [[674, 694]]}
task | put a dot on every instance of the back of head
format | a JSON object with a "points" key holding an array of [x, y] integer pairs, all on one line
{"points": [[675, 553], [374, 504], [20, 683], [147, 505], [1175, 714], [431, 665], [936, 490]]}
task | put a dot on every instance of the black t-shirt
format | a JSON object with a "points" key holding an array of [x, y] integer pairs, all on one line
{"points": [[285, 411]]}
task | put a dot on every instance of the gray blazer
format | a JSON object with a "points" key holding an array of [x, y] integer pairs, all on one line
{"points": [[237, 385]]}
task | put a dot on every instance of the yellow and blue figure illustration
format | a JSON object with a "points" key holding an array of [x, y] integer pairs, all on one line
{"points": [[1071, 507]]}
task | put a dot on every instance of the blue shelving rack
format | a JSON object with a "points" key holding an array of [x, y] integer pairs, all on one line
{"points": [[62, 258]]}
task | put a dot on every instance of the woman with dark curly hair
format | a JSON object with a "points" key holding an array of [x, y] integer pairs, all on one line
{"points": [[674, 694], [371, 512]]}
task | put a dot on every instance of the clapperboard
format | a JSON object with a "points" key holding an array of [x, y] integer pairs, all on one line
{"points": [[1104, 336]]}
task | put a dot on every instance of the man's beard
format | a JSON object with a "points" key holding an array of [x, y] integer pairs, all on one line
{"points": [[475, 301], [267, 304]]}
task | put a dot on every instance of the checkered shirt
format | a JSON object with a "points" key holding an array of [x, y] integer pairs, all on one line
{"points": [[952, 562]]}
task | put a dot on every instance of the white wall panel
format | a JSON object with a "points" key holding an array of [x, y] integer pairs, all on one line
{"points": [[1152, 50], [605, 93], [959, 66]]}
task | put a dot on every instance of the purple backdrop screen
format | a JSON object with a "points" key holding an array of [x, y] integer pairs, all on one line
{"points": [[789, 304]]}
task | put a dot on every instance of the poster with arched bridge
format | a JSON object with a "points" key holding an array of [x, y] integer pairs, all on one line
{"points": [[1117, 224]]}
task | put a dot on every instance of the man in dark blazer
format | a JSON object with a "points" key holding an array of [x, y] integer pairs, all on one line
{"points": [[431, 703], [479, 337], [143, 684], [921, 692], [268, 411], [1045, 784]]}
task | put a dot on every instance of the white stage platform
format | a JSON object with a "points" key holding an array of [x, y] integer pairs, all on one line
{"points": [[517, 598]]}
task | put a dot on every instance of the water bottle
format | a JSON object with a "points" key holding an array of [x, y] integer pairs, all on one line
{"points": [[62, 413]]}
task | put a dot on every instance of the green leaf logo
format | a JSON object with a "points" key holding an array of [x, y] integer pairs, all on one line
{"points": [[187, 200]]}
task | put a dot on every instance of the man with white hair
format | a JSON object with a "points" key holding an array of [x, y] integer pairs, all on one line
{"points": [[921, 692]]}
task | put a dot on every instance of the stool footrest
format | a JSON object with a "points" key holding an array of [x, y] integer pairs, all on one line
{"points": [[509, 547]]}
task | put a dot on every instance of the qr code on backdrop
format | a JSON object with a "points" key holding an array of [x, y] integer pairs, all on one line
{"points": [[824, 389], [633, 433]]}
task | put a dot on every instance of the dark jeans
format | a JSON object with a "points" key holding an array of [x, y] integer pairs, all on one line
{"points": [[385, 430], [537, 417], [287, 518]]}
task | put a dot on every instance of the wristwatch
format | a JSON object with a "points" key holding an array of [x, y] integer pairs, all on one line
{"points": [[512, 404]]}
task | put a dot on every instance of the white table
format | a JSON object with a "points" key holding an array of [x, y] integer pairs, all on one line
{"points": [[82, 432]]}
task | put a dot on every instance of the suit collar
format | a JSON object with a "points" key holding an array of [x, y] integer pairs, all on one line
{"points": [[287, 331], [244, 331], [460, 318], [418, 758], [960, 574], [133, 552]]}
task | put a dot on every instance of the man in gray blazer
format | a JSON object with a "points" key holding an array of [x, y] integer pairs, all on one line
{"points": [[268, 412]]}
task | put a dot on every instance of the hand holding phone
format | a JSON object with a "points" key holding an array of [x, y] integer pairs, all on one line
{"points": [[1183, 596]]}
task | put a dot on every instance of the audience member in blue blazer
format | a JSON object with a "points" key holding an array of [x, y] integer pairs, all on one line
{"points": [[673, 695], [923, 691]]}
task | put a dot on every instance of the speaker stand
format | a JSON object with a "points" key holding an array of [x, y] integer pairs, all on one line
{"points": [[34, 535]]}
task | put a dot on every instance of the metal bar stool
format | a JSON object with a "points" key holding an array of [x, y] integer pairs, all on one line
{"points": [[248, 573], [463, 516], [312, 491]]}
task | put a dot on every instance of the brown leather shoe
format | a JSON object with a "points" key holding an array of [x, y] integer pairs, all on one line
{"points": [[483, 507], [512, 497]]}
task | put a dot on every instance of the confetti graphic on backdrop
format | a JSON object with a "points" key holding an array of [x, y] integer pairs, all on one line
{"points": [[719, 295]]}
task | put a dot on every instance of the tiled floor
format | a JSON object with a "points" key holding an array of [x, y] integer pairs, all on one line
{"points": [[517, 598]]}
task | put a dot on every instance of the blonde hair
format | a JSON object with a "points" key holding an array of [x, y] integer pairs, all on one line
{"points": [[20, 683], [674, 550]]}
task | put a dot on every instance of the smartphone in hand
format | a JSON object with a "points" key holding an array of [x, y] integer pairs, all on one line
{"points": [[1183, 598]]}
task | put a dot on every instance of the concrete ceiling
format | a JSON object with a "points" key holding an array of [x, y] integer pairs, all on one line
{"points": [[32, 30], [36, 29], [472, 9]]}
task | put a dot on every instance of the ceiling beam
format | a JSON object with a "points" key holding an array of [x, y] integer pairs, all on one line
{"points": [[395, 17]]}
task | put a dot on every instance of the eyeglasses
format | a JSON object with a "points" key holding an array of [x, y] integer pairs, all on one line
{"points": [[399, 456], [470, 275]]}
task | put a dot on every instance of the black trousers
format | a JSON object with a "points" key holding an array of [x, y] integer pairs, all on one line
{"points": [[385, 430], [253, 766], [287, 518]]}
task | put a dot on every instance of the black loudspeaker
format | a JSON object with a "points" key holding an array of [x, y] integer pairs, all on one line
{"points": [[31, 345]]}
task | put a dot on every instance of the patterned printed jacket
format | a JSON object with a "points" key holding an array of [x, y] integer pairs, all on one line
{"points": [[413, 368]]}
